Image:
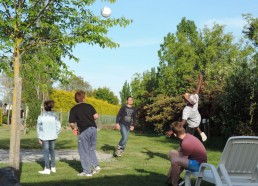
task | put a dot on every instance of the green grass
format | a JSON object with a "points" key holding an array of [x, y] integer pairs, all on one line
{"points": [[143, 163]]}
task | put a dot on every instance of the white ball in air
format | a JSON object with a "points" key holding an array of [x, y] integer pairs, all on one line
{"points": [[106, 12]]}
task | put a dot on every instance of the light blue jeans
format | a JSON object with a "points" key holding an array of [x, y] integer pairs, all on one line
{"points": [[49, 149], [125, 131], [87, 141]]}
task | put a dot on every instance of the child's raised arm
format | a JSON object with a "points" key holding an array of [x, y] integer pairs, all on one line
{"points": [[199, 83]]}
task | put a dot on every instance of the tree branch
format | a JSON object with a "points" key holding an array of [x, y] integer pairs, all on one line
{"points": [[39, 14], [7, 10]]}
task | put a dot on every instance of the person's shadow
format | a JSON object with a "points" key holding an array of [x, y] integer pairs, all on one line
{"points": [[76, 165], [107, 147], [152, 154]]}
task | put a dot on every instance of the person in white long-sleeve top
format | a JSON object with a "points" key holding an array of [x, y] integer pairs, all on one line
{"points": [[48, 128]]}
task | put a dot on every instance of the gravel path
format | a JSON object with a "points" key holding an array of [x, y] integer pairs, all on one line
{"points": [[37, 155]]}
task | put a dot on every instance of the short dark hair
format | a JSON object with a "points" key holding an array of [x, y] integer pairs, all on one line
{"points": [[48, 105], [177, 128], [128, 97], [79, 96]]}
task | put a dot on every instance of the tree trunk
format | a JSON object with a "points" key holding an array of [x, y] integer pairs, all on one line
{"points": [[14, 153]]}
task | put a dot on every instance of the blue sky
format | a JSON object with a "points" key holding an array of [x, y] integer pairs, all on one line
{"points": [[140, 41]]}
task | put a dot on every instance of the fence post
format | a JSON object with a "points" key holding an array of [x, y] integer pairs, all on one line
{"points": [[61, 117], [206, 125]]}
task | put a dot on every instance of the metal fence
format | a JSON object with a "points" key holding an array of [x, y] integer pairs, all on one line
{"points": [[104, 119]]}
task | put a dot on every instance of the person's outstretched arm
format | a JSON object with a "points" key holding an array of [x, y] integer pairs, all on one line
{"points": [[199, 83]]}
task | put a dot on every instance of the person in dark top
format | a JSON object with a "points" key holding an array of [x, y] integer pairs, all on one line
{"points": [[126, 118], [82, 120]]}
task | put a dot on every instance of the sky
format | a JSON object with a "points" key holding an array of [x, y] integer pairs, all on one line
{"points": [[140, 41]]}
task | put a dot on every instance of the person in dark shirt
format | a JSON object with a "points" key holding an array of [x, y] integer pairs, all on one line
{"points": [[189, 155], [126, 119], [82, 120]]}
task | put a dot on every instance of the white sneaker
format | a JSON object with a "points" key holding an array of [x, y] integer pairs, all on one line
{"points": [[96, 170], [45, 171], [53, 169], [204, 137], [84, 174]]}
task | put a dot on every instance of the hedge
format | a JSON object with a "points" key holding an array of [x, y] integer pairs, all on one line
{"points": [[64, 101]]}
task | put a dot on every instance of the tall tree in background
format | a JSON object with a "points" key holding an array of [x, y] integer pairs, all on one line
{"points": [[55, 24], [106, 94], [178, 59], [125, 92], [182, 56], [74, 83], [251, 29], [49, 68]]}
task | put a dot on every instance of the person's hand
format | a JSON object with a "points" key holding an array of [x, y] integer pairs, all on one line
{"points": [[72, 125], [131, 128], [169, 133], [117, 126], [40, 142], [75, 131]]}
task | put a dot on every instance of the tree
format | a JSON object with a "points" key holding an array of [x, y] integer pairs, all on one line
{"points": [[49, 69], [125, 92], [74, 83], [182, 56], [57, 25], [251, 29], [178, 59], [6, 85], [106, 94]]}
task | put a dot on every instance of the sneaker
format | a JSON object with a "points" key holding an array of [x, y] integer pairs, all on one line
{"points": [[84, 174], [45, 171], [204, 137], [96, 170], [119, 152], [53, 169], [181, 182]]}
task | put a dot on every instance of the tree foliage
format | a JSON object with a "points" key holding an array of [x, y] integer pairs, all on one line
{"points": [[251, 29], [74, 83], [106, 94], [125, 92], [222, 60], [54, 26]]}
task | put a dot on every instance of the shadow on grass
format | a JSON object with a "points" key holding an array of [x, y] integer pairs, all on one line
{"points": [[141, 178], [107, 147], [41, 163], [5, 143], [152, 154], [32, 143], [76, 165]]}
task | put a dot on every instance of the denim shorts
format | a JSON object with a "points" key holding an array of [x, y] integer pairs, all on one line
{"points": [[193, 166]]}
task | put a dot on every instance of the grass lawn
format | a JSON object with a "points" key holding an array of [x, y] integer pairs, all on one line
{"points": [[143, 163]]}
